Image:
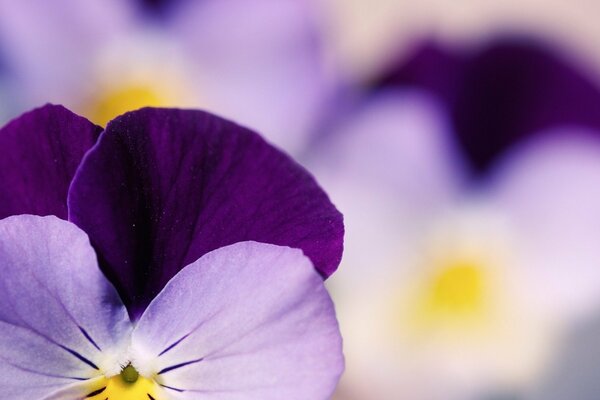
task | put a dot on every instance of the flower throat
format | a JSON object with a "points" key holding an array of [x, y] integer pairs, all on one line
{"points": [[128, 385]]}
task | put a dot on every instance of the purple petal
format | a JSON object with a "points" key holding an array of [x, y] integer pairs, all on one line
{"points": [[232, 323], [59, 316], [163, 187], [503, 92], [41, 151]]}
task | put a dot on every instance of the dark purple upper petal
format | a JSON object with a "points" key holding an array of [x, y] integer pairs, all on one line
{"points": [[41, 151], [163, 187], [502, 92]]}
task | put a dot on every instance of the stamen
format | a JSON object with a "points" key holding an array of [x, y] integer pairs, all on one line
{"points": [[127, 385], [129, 374]]}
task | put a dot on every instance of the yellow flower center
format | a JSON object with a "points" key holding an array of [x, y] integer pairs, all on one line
{"points": [[454, 295], [118, 100], [128, 385], [456, 290]]}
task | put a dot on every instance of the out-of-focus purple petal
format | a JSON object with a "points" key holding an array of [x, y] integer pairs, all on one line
{"points": [[159, 8], [259, 63], [59, 316], [41, 151], [253, 320], [163, 187], [502, 92]]}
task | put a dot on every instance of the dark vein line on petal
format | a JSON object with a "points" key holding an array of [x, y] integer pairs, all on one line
{"points": [[96, 392], [176, 366], [70, 351], [64, 307], [172, 388], [32, 371], [79, 356], [194, 329], [89, 338], [174, 344]]}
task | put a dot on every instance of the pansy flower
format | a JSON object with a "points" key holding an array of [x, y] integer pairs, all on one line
{"points": [[256, 61], [460, 276], [174, 255]]}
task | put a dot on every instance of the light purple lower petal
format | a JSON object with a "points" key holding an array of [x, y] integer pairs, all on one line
{"points": [[247, 321], [59, 316]]}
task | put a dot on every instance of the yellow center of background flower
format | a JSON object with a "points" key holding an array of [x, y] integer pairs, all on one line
{"points": [[457, 290], [118, 100], [128, 385], [454, 296]]}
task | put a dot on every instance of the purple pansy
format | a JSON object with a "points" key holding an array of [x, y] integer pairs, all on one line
{"points": [[201, 227]]}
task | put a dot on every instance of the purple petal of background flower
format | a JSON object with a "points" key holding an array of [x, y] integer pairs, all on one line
{"points": [[41, 151], [501, 92], [163, 187]]}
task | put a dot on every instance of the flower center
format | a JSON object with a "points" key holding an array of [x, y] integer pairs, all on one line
{"points": [[455, 291], [118, 100], [458, 286], [128, 385]]}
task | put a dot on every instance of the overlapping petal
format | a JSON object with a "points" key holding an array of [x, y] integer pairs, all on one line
{"points": [[247, 321], [163, 187], [41, 150], [60, 319]]}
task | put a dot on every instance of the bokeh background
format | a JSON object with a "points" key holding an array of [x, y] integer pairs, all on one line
{"points": [[461, 140]]}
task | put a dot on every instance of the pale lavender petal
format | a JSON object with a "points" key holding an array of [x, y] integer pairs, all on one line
{"points": [[231, 326], [50, 46], [259, 63], [60, 319], [390, 165], [550, 188]]}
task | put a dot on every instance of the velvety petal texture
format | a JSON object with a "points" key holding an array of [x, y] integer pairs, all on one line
{"points": [[502, 91], [164, 187], [60, 319], [246, 321], [41, 151]]}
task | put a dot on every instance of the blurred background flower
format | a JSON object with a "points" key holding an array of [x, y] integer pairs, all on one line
{"points": [[460, 140], [258, 62]]}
